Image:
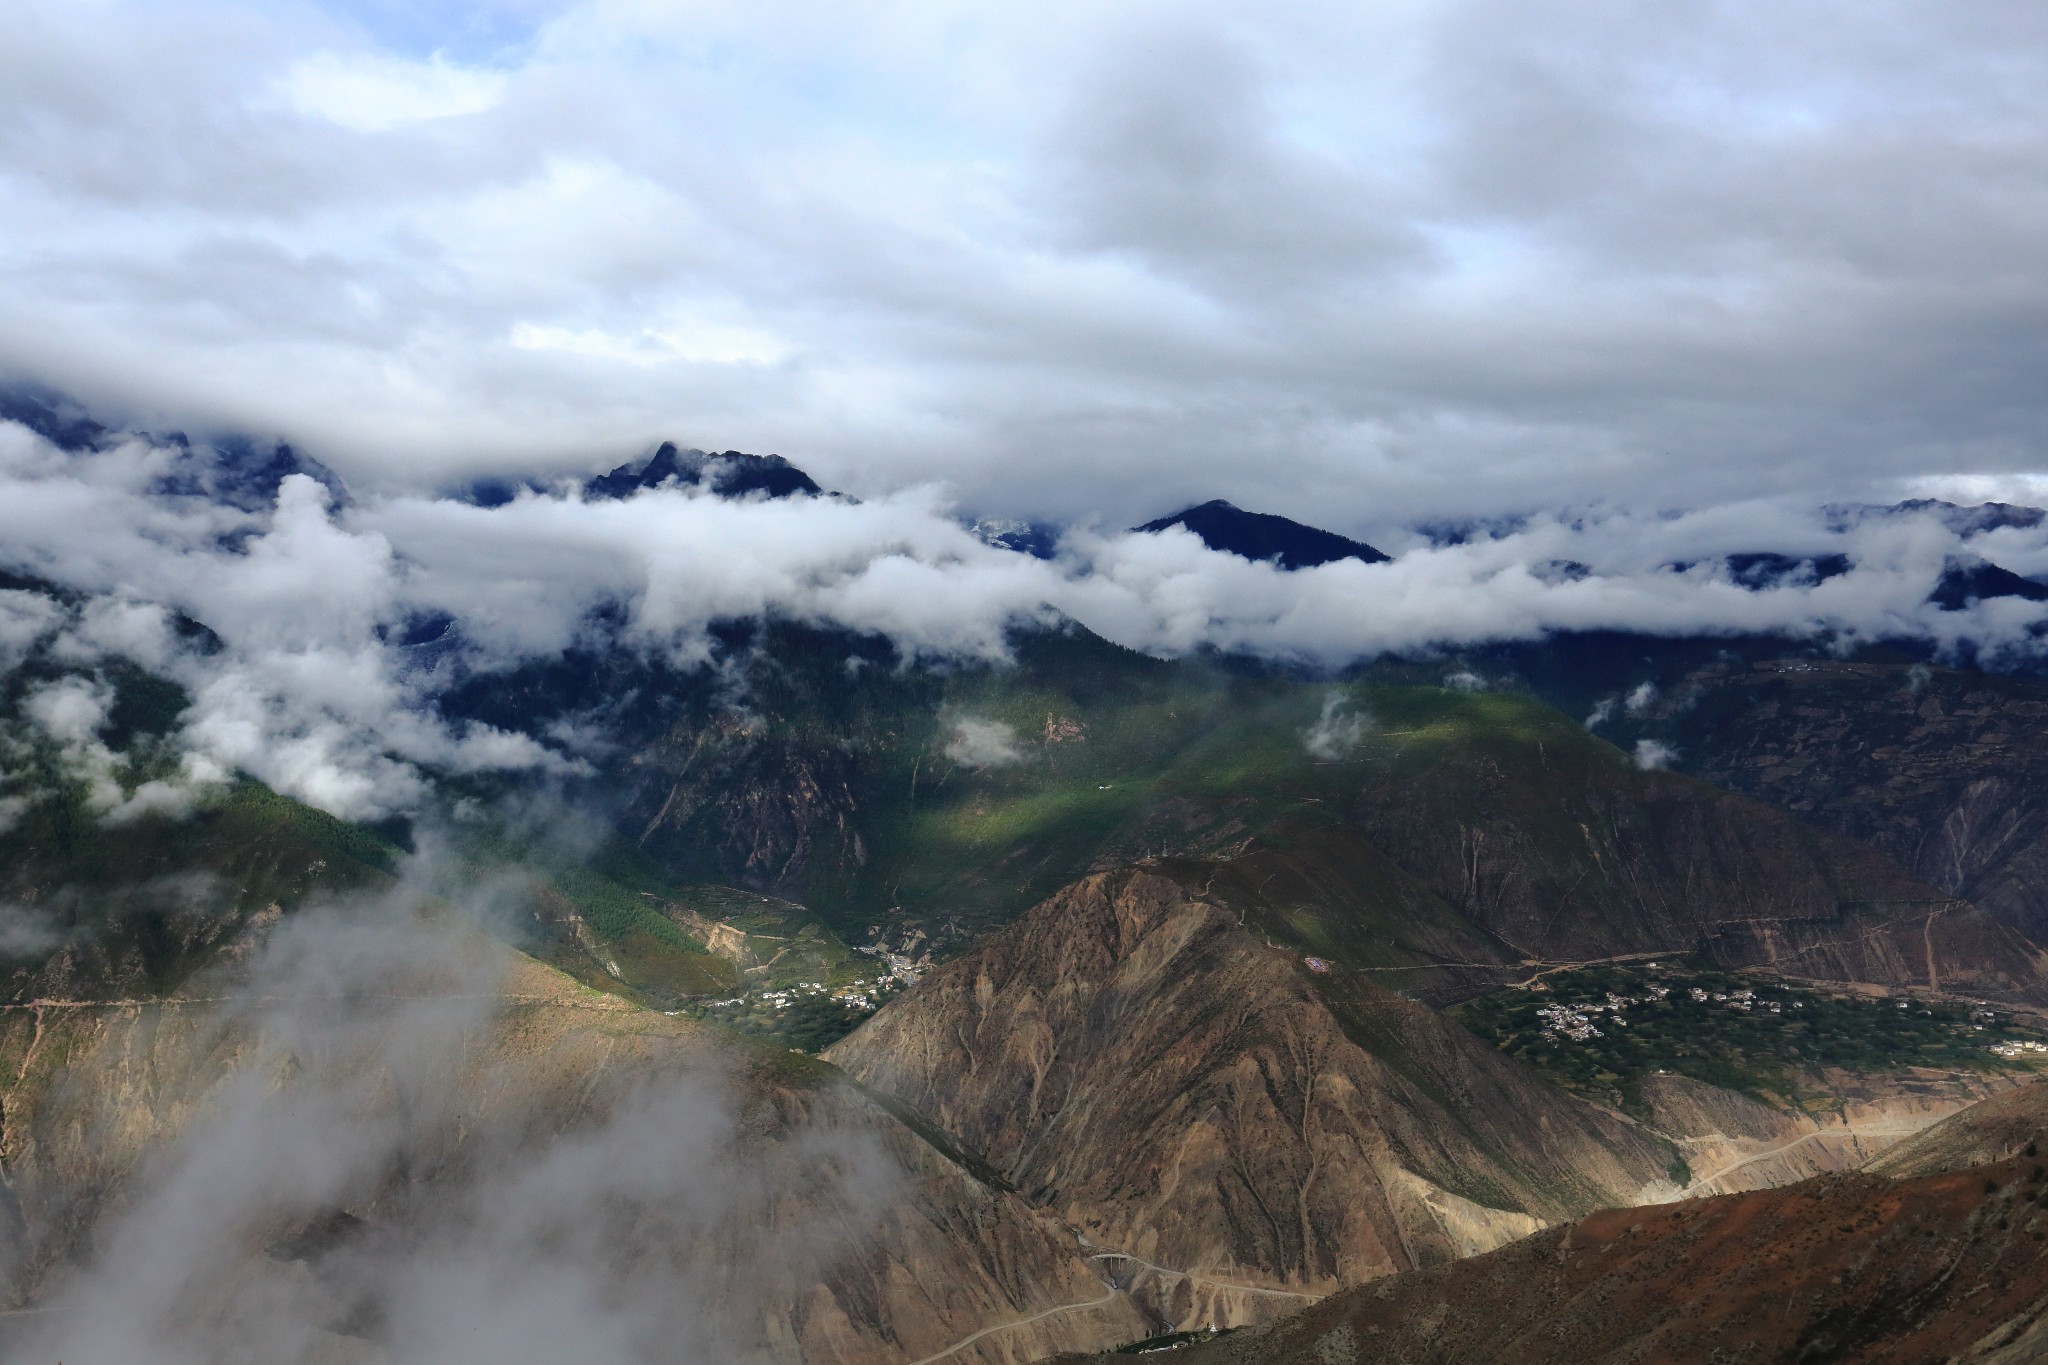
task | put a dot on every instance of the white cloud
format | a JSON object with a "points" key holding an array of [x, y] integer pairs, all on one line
{"points": [[374, 92], [979, 743], [705, 343], [1439, 257], [1651, 754], [71, 713], [648, 1215], [305, 692], [25, 618], [1338, 731]]}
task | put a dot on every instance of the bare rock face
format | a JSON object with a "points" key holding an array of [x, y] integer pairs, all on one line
{"points": [[472, 1143], [1133, 1059]]}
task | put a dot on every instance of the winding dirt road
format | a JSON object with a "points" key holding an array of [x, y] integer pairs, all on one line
{"points": [[1115, 1290], [965, 1342]]}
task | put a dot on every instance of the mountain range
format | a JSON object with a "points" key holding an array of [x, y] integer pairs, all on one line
{"points": [[823, 998]]}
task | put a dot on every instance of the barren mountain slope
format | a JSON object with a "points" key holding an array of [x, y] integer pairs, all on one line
{"points": [[1557, 845], [1942, 770], [2001, 1127], [1851, 1268], [781, 1215], [1734, 1141], [1133, 1058]]}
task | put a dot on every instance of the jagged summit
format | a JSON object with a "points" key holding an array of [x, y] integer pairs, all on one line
{"points": [[1970, 521], [1263, 536], [730, 474]]}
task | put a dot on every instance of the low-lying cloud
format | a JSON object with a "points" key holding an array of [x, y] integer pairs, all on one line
{"points": [[979, 743], [1338, 731], [1651, 754], [386, 1172], [302, 676]]}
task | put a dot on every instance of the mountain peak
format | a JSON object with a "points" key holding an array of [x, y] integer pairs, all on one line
{"points": [[1264, 536], [730, 474]]}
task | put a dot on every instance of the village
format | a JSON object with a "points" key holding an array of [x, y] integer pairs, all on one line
{"points": [[813, 1014], [1600, 1028]]}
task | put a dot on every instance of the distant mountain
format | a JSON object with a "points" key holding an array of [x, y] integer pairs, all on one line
{"points": [[1967, 581], [1263, 536], [244, 474], [730, 474], [1964, 521], [1970, 521], [56, 419], [1769, 570], [234, 470]]}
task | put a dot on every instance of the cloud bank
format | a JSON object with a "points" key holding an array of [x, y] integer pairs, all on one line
{"points": [[1451, 256], [303, 675]]}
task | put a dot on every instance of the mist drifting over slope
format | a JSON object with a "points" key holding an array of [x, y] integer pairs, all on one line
{"points": [[364, 1153]]}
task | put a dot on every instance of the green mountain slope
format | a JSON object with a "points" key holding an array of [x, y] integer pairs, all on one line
{"points": [[1493, 828]]}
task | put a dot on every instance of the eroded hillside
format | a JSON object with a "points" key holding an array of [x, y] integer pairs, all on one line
{"points": [[1854, 1268], [380, 1134]]}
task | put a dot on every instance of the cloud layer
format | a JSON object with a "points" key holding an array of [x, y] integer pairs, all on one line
{"points": [[1420, 258], [303, 676]]}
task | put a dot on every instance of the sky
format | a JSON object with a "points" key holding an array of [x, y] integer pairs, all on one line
{"points": [[1356, 263]]}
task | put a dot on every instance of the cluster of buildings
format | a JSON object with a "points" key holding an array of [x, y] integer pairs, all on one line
{"points": [[1744, 1000], [860, 994], [1581, 1022], [866, 995], [1573, 1021], [1576, 1021]]}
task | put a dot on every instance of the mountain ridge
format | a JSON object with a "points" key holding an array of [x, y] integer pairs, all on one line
{"points": [[1263, 536]]}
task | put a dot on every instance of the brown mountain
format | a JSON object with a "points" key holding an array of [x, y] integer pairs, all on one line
{"points": [[1950, 1267], [1563, 851], [280, 1173], [1204, 1065], [1945, 771], [1135, 1057]]}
